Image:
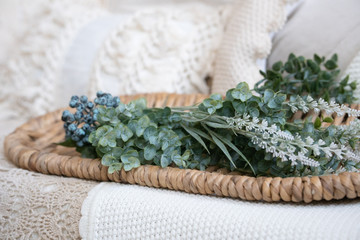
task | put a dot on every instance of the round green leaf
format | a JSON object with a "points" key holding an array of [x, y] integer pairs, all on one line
{"points": [[149, 152]]}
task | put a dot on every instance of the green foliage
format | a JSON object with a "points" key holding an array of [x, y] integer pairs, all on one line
{"points": [[242, 132], [131, 135], [203, 136], [213, 103], [315, 77]]}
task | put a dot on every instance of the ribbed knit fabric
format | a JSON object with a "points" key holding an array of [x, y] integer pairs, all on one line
{"points": [[119, 211], [246, 40]]}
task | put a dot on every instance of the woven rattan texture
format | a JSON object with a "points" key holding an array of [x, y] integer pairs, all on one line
{"points": [[32, 146]]}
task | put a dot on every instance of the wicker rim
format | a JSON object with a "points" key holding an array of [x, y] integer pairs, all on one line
{"points": [[31, 146]]}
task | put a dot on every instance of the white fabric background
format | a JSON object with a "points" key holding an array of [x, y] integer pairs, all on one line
{"points": [[129, 212]]}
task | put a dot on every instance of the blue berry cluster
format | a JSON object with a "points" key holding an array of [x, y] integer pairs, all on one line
{"points": [[106, 99], [80, 124]]}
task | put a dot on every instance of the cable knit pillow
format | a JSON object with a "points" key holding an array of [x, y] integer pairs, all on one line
{"points": [[81, 47], [164, 47], [247, 41]]}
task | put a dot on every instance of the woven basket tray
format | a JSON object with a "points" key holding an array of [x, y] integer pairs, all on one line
{"points": [[32, 146]]}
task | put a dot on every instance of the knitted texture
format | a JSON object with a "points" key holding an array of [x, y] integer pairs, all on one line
{"points": [[38, 206], [164, 49], [11, 11], [353, 70], [30, 77], [114, 211], [79, 48], [247, 39]]}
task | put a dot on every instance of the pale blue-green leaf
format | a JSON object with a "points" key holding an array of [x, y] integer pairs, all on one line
{"points": [[104, 118], [144, 121], [149, 152], [254, 112], [114, 121], [165, 161], [176, 158], [216, 96], [239, 106], [128, 154], [112, 143], [108, 159], [140, 143], [242, 85], [134, 161], [140, 131], [128, 167], [140, 103], [101, 131], [105, 149], [120, 108], [211, 110], [236, 93], [186, 155], [280, 98], [126, 133], [272, 104], [101, 109], [218, 104], [150, 132], [92, 138], [268, 94], [175, 118], [207, 102], [115, 167], [117, 152], [245, 96], [165, 145], [103, 141]]}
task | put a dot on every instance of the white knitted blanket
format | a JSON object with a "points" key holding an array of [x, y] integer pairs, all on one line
{"points": [[119, 211]]}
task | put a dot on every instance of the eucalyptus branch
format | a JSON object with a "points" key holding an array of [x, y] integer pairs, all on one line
{"points": [[241, 132]]}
